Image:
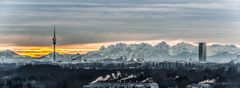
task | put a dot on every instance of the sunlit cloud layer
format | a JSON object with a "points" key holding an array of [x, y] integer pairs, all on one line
{"points": [[28, 23]]}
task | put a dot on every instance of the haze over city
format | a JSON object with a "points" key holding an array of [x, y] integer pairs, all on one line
{"points": [[85, 25]]}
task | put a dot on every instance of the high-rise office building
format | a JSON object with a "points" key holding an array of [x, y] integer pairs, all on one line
{"points": [[202, 52]]}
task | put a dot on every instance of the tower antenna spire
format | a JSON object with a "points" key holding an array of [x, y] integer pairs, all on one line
{"points": [[54, 43], [54, 31]]}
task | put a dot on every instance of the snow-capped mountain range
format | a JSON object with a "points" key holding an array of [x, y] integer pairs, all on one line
{"points": [[12, 57], [62, 57], [163, 51], [143, 51]]}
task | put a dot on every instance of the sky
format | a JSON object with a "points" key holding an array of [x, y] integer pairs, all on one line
{"points": [[26, 26]]}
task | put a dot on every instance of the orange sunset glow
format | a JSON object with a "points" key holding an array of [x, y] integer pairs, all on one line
{"points": [[69, 49], [37, 51]]}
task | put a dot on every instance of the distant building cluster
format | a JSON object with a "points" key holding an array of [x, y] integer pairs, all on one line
{"points": [[136, 65]]}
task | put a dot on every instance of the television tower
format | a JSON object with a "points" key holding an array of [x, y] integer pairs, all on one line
{"points": [[54, 44]]}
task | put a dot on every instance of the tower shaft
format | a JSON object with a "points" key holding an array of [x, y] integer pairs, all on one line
{"points": [[54, 44]]}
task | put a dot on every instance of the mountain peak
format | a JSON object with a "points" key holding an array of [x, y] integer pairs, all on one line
{"points": [[8, 53], [121, 44], [145, 44], [183, 43], [231, 46], [163, 43]]}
